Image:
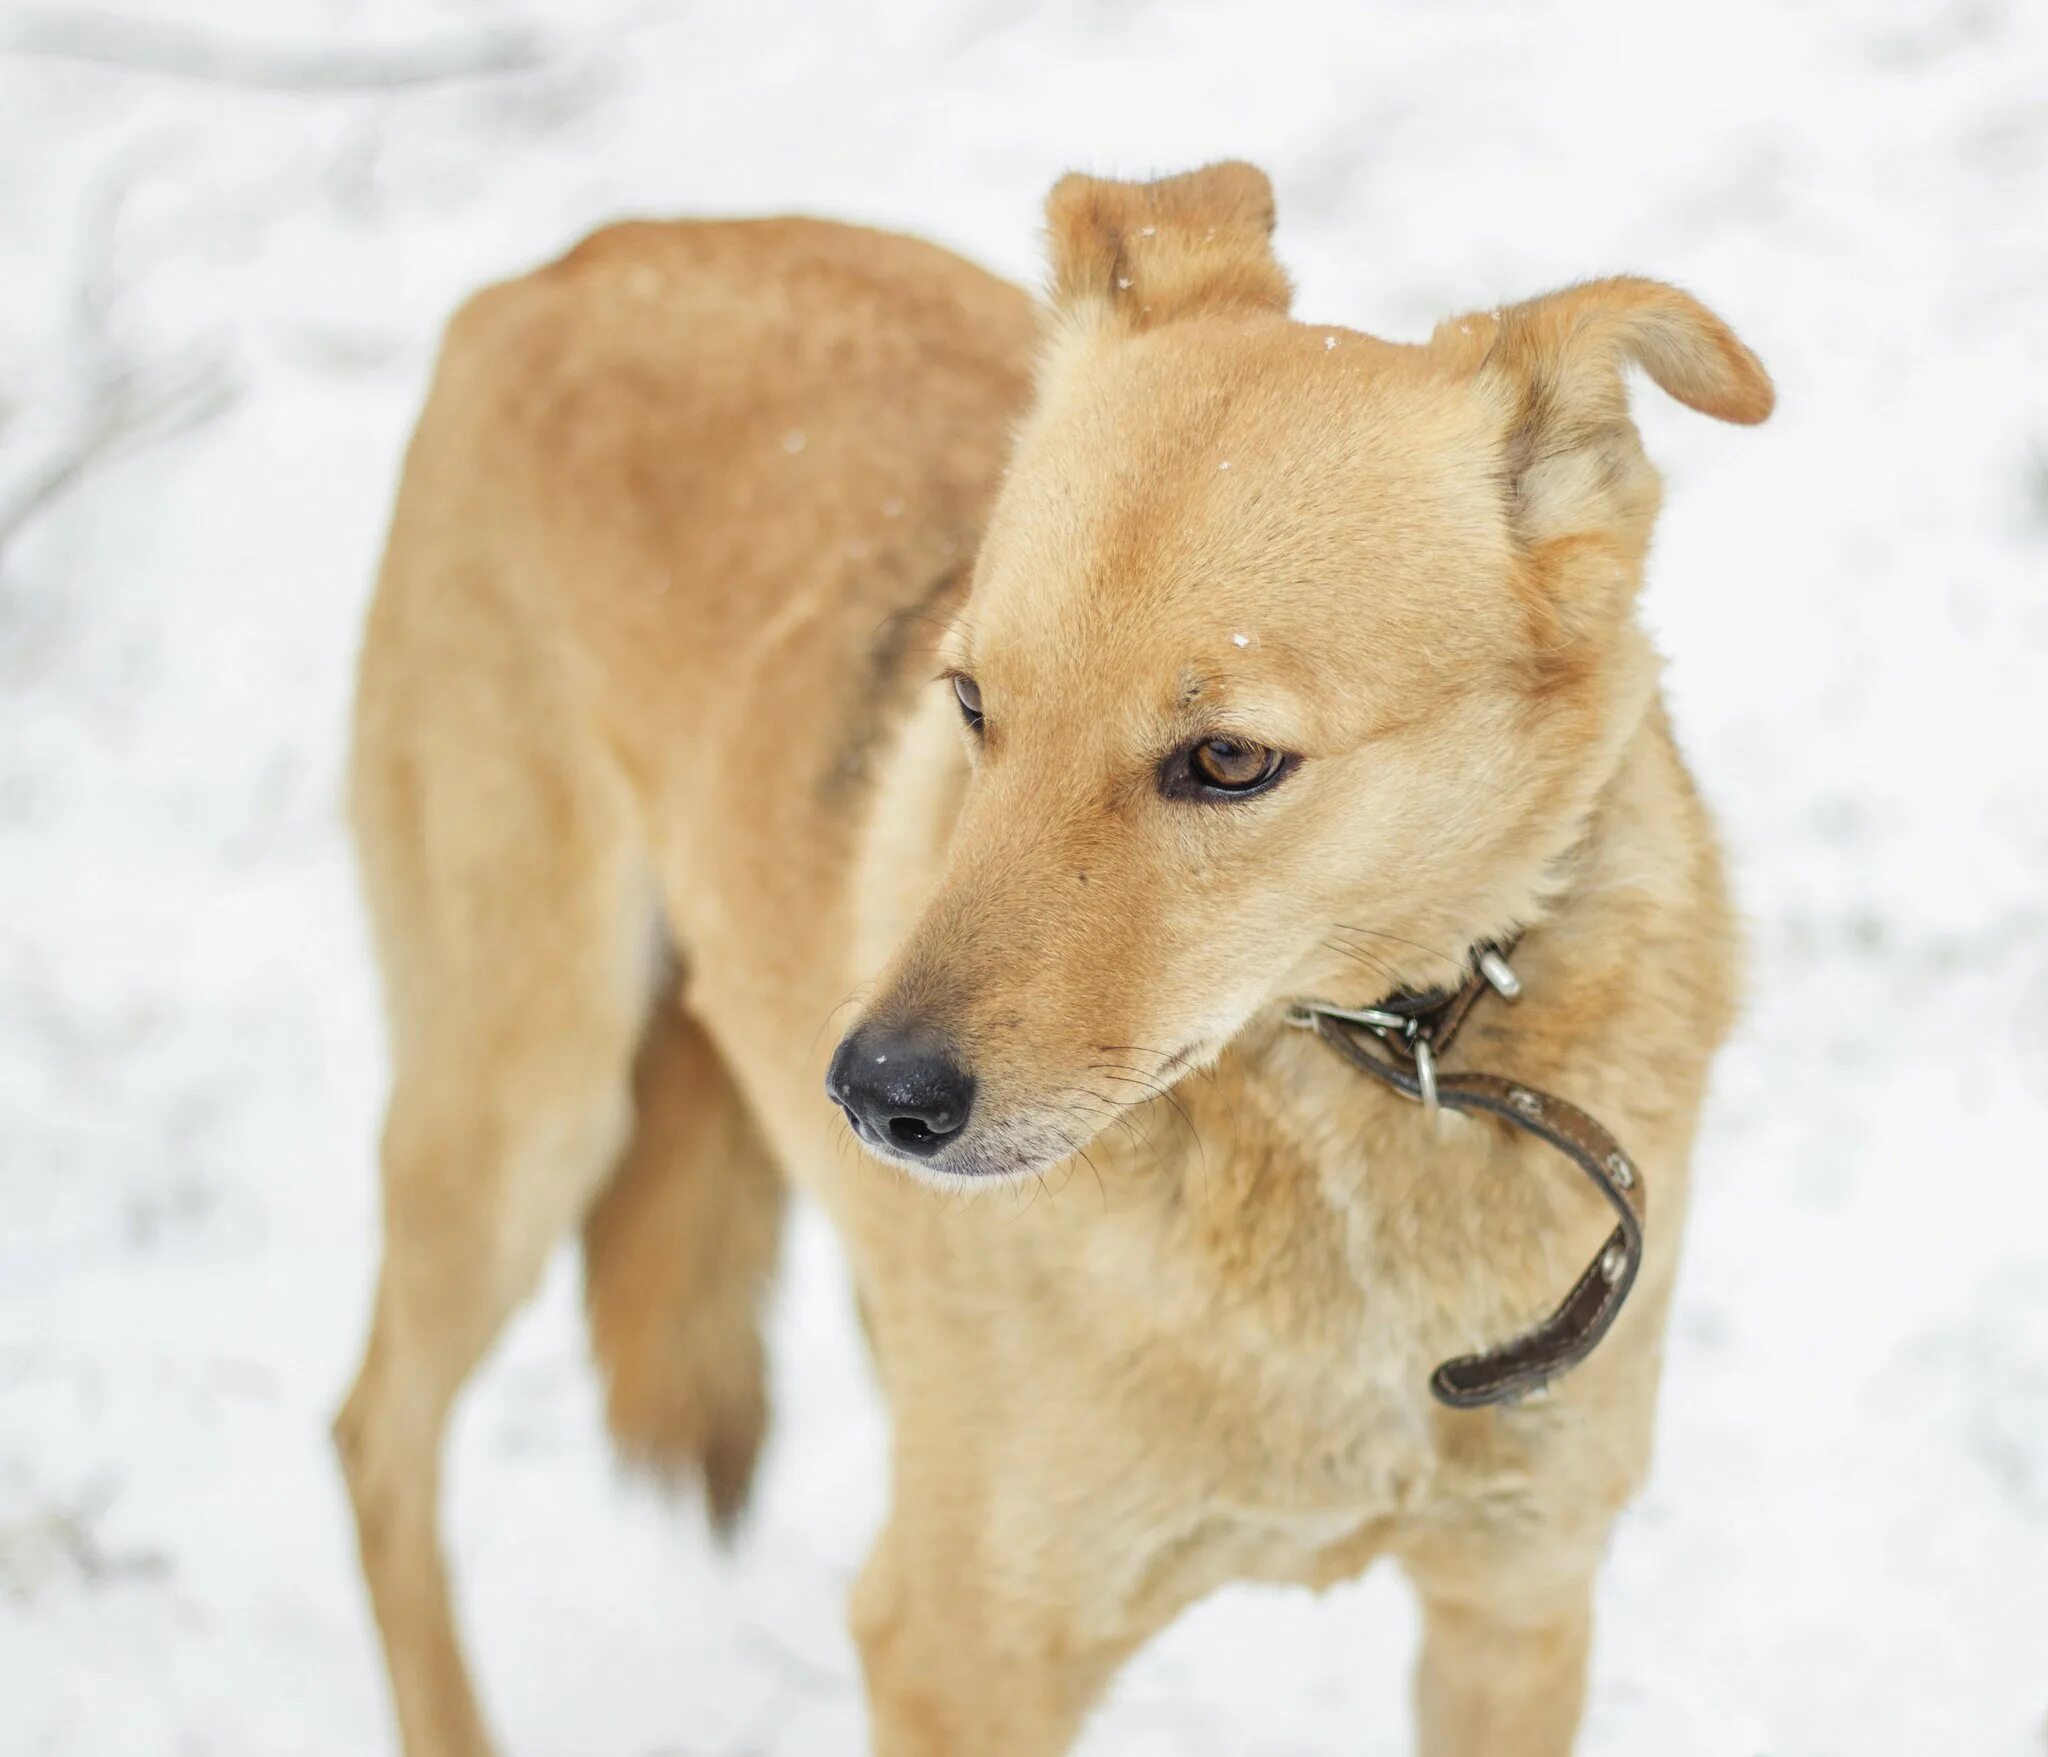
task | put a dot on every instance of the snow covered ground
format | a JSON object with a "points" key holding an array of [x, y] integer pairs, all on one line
{"points": [[222, 269]]}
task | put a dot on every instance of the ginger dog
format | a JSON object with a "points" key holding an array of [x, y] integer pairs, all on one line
{"points": [[798, 655]]}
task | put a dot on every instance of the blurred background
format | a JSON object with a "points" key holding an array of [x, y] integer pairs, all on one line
{"points": [[228, 237]]}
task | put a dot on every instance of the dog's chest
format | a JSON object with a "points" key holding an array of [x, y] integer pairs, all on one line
{"points": [[1295, 1295], [1287, 1330]]}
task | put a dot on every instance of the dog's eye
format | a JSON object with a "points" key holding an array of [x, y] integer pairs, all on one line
{"points": [[1231, 764], [969, 693], [1215, 766]]}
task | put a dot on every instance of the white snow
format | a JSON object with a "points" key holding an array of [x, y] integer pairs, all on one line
{"points": [[1845, 1549]]}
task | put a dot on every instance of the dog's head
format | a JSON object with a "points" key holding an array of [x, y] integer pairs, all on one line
{"points": [[1293, 663]]}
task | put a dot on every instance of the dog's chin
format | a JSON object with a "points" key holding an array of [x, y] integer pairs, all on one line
{"points": [[983, 1159]]}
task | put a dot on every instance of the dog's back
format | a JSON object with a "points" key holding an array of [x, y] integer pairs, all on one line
{"points": [[683, 480]]}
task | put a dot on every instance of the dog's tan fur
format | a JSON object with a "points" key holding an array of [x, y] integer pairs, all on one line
{"points": [[656, 793]]}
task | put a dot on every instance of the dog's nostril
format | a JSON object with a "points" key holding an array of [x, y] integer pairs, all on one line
{"points": [[903, 1088]]}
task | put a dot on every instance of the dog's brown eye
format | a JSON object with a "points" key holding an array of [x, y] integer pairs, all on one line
{"points": [[1222, 765], [1232, 764], [969, 693]]}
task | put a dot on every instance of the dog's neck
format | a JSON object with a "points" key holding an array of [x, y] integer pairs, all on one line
{"points": [[1304, 1208]]}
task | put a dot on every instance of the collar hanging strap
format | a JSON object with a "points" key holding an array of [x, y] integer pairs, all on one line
{"points": [[1416, 1030]]}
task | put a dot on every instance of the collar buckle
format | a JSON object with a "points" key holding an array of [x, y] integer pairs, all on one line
{"points": [[1379, 1019], [1391, 1028], [1413, 1024]]}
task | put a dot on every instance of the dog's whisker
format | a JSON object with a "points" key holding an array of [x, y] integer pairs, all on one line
{"points": [[1136, 1076], [853, 997], [1367, 959], [1108, 1106], [1158, 1093], [1108, 1112], [1150, 1088], [1454, 959], [1101, 1189], [1164, 1055]]}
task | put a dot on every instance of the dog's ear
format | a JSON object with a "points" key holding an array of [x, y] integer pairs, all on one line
{"points": [[1581, 493], [1573, 345], [1555, 366], [1147, 253]]}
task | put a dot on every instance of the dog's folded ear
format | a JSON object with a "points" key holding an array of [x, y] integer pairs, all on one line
{"points": [[1555, 367], [1570, 347], [1146, 253], [1581, 493]]}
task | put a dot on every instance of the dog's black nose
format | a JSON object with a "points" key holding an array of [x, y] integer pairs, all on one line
{"points": [[903, 1089]]}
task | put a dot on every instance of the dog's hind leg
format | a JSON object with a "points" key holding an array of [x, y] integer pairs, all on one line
{"points": [[678, 1254], [505, 872]]}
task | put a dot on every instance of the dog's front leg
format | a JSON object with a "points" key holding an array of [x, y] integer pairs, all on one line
{"points": [[1504, 1651], [971, 1650]]}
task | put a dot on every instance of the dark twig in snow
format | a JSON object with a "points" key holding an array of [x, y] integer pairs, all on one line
{"points": [[55, 1540], [134, 410], [124, 403]]}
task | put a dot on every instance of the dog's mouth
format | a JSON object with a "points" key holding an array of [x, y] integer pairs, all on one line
{"points": [[980, 1155]]}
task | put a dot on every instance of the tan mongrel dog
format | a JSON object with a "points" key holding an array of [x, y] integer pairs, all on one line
{"points": [[1293, 663]]}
